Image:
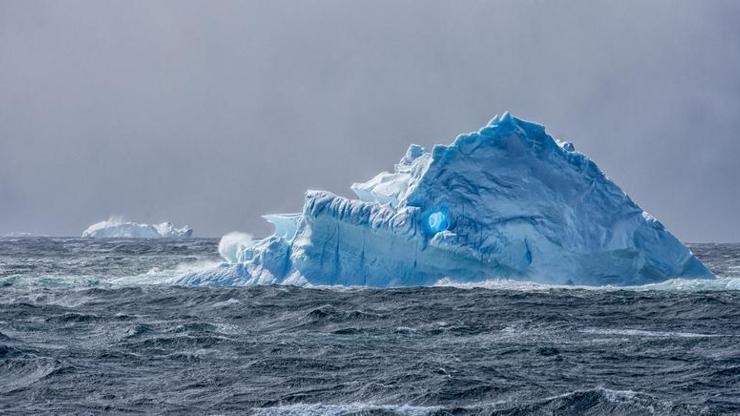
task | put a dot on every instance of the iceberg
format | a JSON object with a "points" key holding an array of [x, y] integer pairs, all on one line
{"points": [[117, 228], [21, 234], [505, 202]]}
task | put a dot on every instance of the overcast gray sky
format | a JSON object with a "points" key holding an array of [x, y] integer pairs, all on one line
{"points": [[212, 113]]}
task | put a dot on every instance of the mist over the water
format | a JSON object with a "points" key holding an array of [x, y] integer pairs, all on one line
{"points": [[212, 114]]}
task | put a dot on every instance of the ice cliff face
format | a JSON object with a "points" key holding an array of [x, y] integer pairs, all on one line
{"points": [[507, 201], [116, 228]]}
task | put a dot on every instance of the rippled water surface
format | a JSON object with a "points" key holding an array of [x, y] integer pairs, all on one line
{"points": [[95, 327]]}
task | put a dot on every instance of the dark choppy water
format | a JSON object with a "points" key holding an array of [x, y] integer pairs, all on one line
{"points": [[82, 333]]}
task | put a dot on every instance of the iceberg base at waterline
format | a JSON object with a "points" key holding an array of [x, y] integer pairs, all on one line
{"points": [[508, 201]]}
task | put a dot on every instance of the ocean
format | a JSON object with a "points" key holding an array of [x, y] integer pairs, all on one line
{"points": [[98, 327]]}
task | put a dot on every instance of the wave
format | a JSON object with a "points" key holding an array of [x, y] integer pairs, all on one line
{"points": [[651, 334], [308, 409], [20, 369], [166, 276], [173, 275], [596, 401]]}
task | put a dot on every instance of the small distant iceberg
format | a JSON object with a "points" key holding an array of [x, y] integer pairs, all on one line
{"points": [[16, 234], [506, 202], [118, 228]]}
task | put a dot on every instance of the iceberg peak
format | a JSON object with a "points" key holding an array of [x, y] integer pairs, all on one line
{"points": [[414, 152], [506, 118]]}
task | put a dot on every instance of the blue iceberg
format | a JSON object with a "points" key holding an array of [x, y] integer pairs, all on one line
{"points": [[507, 201]]}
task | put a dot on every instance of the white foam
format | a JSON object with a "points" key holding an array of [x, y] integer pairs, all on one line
{"points": [[720, 283], [307, 409], [655, 334], [164, 276], [232, 244]]}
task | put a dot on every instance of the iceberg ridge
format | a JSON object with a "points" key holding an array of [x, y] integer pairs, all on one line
{"points": [[507, 201]]}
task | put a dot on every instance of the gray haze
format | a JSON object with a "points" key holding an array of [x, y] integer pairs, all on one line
{"points": [[212, 113]]}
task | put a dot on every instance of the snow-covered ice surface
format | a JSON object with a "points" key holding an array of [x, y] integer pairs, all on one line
{"points": [[507, 201], [117, 228]]}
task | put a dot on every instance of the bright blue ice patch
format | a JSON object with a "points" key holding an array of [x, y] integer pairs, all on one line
{"points": [[437, 220]]}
